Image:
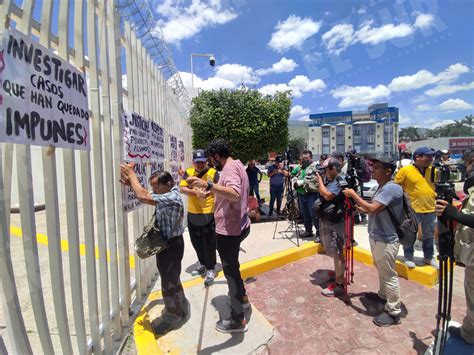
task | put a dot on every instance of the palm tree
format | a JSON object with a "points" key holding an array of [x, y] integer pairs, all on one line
{"points": [[458, 129], [469, 120], [409, 133]]}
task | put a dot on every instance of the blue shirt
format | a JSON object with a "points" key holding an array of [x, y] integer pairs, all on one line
{"points": [[381, 227], [252, 174], [169, 212], [277, 179]]}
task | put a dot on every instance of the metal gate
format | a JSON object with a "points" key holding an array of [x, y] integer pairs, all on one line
{"points": [[69, 280]]}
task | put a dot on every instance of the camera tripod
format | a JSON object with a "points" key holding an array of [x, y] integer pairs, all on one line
{"points": [[444, 191], [291, 210], [349, 220]]}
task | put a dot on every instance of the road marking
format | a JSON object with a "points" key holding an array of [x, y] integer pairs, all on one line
{"points": [[43, 239]]}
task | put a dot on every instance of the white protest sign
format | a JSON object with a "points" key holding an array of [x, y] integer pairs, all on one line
{"points": [[43, 98], [136, 143], [131, 202], [157, 143]]}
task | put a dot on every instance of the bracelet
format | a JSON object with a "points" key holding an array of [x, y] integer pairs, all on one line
{"points": [[209, 186]]}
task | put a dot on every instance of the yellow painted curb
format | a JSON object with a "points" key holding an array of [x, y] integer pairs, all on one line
{"points": [[424, 275], [146, 343]]}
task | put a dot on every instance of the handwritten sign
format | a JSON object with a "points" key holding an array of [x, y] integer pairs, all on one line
{"points": [[130, 199], [136, 143], [157, 142], [43, 98]]}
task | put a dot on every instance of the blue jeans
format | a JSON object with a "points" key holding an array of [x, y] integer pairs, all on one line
{"points": [[427, 221], [276, 192], [254, 188], [306, 203]]}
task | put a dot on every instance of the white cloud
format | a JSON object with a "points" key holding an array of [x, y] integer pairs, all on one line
{"points": [[283, 66], [455, 105], [424, 21], [184, 22], [237, 73], [404, 119], [343, 35], [227, 76], [301, 83], [338, 38], [425, 77], [292, 32], [298, 85], [415, 81], [423, 107], [299, 112], [353, 96], [375, 35], [449, 89], [271, 89], [436, 124]]}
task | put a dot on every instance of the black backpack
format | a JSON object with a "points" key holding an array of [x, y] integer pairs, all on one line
{"points": [[407, 227]]}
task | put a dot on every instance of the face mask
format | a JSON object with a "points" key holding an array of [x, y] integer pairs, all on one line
{"points": [[306, 163]]}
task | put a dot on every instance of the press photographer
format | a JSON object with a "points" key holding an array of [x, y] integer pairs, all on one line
{"points": [[384, 209], [463, 252], [330, 209], [306, 196]]}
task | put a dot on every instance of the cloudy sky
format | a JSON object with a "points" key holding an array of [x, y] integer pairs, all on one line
{"points": [[417, 55]]}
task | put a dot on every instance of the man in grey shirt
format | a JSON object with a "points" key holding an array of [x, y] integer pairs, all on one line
{"points": [[383, 236]]}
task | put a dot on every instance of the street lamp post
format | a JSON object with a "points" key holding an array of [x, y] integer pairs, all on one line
{"points": [[212, 62]]}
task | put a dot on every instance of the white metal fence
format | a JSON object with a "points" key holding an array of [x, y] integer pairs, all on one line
{"points": [[68, 275]]}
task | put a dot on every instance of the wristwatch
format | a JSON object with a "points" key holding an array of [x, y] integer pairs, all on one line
{"points": [[209, 185]]}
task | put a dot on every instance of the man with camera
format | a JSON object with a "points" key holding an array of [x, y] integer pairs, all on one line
{"points": [[464, 253], [415, 179], [306, 197], [277, 174], [330, 209], [384, 242]]}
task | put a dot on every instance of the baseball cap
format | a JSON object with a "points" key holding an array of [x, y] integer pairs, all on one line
{"points": [[424, 151], [387, 161], [445, 151], [199, 156], [279, 159], [330, 161]]}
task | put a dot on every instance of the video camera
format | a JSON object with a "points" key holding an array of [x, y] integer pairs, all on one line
{"points": [[443, 176]]}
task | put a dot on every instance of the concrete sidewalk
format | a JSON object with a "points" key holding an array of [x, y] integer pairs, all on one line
{"points": [[269, 244]]}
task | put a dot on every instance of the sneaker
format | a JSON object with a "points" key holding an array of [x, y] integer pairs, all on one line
{"points": [[199, 271], [455, 332], [210, 276], [386, 320], [333, 290], [410, 263], [246, 303], [231, 326], [431, 262]]}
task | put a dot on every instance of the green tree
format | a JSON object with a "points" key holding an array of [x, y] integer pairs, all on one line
{"points": [[410, 133], [469, 120], [296, 145], [253, 124]]}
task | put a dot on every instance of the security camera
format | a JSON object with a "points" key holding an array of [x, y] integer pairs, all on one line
{"points": [[212, 61]]}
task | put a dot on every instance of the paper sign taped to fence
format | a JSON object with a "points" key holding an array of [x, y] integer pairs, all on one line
{"points": [[181, 151], [43, 98], [131, 202], [136, 134], [157, 143]]}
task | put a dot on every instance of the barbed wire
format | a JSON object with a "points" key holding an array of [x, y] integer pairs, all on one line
{"points": [[138, 13]]}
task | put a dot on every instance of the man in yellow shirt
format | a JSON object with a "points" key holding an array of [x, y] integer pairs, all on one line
{"points": [[415, 179], [201, 223]]}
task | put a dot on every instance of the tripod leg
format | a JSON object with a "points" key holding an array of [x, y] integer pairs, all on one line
{"points": [[449, 292], [440, 305]]}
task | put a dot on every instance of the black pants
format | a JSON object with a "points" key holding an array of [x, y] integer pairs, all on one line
{"points": [[228, 247], [169, 266], [202, 230]]}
